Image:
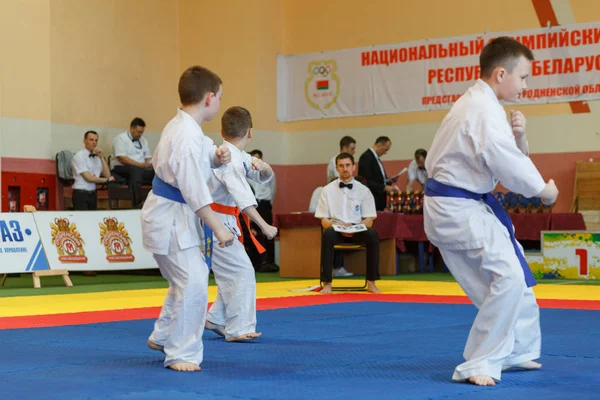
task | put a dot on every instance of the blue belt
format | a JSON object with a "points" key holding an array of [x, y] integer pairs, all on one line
{"points": [[434, 188], [163, 189]]}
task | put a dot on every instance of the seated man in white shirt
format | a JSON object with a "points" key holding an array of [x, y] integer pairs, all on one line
{"points": [[132, 159], [346, 202], [89, 168], [347, 145], [417, 171]]}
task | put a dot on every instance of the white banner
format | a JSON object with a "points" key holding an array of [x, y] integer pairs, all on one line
{"points": [[432, 74], [93, 240], [21, 249]]}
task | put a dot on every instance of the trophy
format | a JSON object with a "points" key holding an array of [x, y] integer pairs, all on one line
{"points": [[418, 207]]}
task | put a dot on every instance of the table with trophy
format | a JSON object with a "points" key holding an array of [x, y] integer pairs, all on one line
{"points": [[402, 222]]}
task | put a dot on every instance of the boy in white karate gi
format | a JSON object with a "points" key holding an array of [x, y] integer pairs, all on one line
{"points": [[170, 225], [233, 314], [474, 148]]}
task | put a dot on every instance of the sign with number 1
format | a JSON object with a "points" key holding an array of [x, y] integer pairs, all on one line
{"points": [[573, 255]]}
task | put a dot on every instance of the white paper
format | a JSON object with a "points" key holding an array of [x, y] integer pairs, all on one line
{"points": [[398, 174], [350, 229]]}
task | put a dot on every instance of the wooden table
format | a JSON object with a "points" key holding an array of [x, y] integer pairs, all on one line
{"points": [[300, 246], [300, 240]]}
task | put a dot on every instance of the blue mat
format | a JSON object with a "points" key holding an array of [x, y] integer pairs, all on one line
{"points": [[339, 351]]}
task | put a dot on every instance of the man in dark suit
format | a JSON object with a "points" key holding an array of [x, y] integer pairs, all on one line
{"points": [[372, 173]]}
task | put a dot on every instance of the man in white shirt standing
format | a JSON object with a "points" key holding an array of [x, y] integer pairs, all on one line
{"points": [[89, 168], [132, 159], [265, 195], [417, 171], [347, 145], [474, 149], [346, 202]]}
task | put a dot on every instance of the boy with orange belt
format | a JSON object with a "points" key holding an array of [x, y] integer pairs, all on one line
{"points": [[233, 314]]}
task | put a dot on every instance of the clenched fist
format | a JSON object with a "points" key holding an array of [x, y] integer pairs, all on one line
{"points": [[517, 123], [222, 155]]}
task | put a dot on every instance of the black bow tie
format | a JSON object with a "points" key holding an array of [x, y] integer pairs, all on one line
{"points": [[343, 185], [135, 140], [93, 154]]}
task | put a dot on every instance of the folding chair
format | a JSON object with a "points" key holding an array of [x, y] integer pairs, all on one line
{"points": [[64, 171], [348, 247], [117, 192]]}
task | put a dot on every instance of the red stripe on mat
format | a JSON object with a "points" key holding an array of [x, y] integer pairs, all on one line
{"points": [[131, 314], [546, 14], [80, 318]]}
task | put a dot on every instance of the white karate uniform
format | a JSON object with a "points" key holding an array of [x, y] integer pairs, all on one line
{"points": [[171, 231], [235, 305], [264, 192], [473, 150]]}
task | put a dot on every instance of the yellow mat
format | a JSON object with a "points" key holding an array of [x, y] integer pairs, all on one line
{"points": [[115, 300]]}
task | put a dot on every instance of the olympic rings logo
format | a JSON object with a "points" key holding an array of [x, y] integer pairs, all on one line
{"points": [[323, 70]]}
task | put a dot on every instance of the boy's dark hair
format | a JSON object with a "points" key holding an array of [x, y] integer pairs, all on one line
{"points": [[502, 52], [195, 83], [235, 122]]}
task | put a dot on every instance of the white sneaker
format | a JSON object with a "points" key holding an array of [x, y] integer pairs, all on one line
{"points": [[341, 272]]}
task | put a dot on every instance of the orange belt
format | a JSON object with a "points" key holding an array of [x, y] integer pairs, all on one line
{"points": [[232, 210]]}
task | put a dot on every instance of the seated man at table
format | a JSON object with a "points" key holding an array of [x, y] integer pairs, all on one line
{"points": [[347, 202]]}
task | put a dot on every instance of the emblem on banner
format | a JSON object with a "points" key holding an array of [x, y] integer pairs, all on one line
{"points": [[116, 241], [322, 86], [68, 241]]}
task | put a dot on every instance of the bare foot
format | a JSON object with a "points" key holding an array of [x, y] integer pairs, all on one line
{"points": [[482, 380], [326, 288], [218, 329], [184, 367], [246, 337], [527, 365], [372, 288], [155, 346]]}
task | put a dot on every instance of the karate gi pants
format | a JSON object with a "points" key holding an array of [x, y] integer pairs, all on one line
{"points": [[180, 325], [506, 330], [235, 305]]}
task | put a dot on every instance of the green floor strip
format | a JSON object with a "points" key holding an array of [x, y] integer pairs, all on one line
{"points": [[103, 282]]}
